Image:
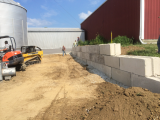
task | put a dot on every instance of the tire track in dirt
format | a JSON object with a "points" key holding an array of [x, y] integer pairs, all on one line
{"points": [[34, 94]]}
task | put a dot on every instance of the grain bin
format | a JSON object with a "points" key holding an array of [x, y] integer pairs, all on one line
{"points": [[13, 22]]}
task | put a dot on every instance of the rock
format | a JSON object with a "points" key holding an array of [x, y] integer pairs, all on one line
{"points": [[116, 109], [140, 113], [146, 90], [131, 112]]}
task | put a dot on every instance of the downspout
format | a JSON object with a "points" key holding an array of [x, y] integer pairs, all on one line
{"points": [[141, 32]]}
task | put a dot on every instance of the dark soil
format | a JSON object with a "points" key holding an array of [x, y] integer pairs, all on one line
{"points": [[116, 103], [112, 103]]}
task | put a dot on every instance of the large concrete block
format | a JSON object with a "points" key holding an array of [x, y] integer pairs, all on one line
{"points": [[87, 56], [137, 65], [150, 83], [121, 76], [84, 60], [155, 61], [106, 70], [93, 49], [90, 63], [84, 49], [74, 53], [100, 67], [83, 55], [78, 49], [155, 65], [107, 49], [79, 54], [73, 49], [112, 61], [117, 49], [110, 49], [97, 58]]}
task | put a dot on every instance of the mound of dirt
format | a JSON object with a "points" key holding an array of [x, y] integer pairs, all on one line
{"points": [[116, 103]]}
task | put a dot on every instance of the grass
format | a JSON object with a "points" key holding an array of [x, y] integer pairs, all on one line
{"points": [[139, 94], [150, 50]]}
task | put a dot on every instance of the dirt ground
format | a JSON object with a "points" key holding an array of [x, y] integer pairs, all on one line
{"points": [[61, 89], [126, 49]]}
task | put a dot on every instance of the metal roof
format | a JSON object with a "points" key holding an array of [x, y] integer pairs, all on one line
{"points": [[55, 30], [12, 3]]}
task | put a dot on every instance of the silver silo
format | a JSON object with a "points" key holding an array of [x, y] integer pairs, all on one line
{"points": [[13, 22]]}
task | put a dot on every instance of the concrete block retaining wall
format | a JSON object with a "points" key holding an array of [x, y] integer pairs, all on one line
{"points": [[137, 71]]}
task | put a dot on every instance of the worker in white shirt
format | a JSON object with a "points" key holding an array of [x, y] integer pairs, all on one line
{"points": [[6, 47]]}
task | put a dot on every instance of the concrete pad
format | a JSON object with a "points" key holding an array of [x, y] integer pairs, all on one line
{"points": [[93, 49], [150, 83], [121, 76], [78, 49], [84, 49], [110, 49], [136, 65], [97, 58], [112, 61]]}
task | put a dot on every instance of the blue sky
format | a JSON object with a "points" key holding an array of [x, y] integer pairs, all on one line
{"points": [[58, 13]]}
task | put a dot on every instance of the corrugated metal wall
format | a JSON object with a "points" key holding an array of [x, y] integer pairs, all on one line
{"points": [[54, 40], [13, 22], [122, 17], [152, 22]]}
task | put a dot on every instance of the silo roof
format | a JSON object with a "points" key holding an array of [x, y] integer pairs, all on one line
{"points": [[55, 30], [12, 3]]}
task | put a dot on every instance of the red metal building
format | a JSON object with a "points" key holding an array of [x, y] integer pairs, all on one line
{"points": [[133, 18]]}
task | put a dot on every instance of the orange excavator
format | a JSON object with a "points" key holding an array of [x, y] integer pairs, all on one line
{"points": [[11, 57]]}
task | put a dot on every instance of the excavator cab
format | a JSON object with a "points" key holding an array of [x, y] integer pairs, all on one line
{"points": [[11, 57]]}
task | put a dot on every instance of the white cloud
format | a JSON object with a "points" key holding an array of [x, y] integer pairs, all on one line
{"points": [[38, 22], [94, 2], [48, 13], [44, 7], [84, 15]]}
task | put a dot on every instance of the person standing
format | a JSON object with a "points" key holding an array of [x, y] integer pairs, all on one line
{"points": [[77, 40], [158, 44], [64, 50], [75, 43]]}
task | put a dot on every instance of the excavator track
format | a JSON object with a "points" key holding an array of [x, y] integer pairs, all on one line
{"points": [[32, 61]]}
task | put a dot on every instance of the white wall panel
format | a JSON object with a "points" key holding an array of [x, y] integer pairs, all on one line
{"points": [[54, 40]]}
